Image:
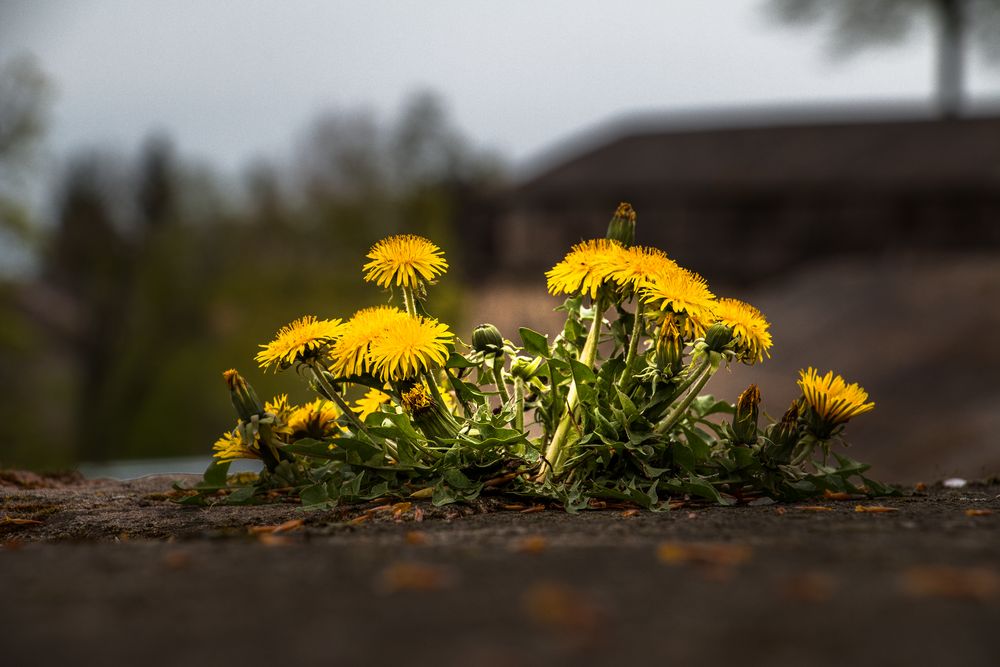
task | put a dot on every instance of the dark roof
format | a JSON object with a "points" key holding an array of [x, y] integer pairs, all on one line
{"points": [[864, 153]]}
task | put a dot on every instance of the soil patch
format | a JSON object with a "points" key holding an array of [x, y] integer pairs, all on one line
{"points": [[109, 572]]}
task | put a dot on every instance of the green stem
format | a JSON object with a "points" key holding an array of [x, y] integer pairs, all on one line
{"points": [[707, 370], [519, 404], [802, 456], [498, 378], [336, 398], [409, 300], [625, 381], [554, 452]]}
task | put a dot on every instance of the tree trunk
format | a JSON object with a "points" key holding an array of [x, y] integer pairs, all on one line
{"points": [[950, 57]]}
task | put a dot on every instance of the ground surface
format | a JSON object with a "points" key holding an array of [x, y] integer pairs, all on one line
{"points": [[114, 573]]}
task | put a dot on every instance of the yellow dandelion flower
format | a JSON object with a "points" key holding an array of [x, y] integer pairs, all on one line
{"points": [[404, 260], [831, 398], [298, 341], [230, 447], [314, 420], [637, 265], [413, 345], [685, 293], [750, 328], [278, 405], [350, 352], [585, 268], [370, 403]]}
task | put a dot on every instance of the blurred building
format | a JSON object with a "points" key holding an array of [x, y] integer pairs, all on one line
{"points": [[742, 197], [870, 240]]}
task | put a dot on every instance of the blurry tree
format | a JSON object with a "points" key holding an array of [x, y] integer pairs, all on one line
{"points": [[857, 24], [24, 96], [151, 282]]}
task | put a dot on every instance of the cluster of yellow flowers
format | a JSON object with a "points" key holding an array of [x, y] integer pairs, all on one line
{"points": [[384, 341], [675, 292], [402, 350]]}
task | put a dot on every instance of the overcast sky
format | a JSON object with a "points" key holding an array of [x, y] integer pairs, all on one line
{"points": [[233, 80]]}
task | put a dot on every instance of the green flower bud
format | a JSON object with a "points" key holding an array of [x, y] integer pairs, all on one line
{"points": [[244, 397], [718, 337], [486, 340], [784, 435], [622, 225], [745, 419]]}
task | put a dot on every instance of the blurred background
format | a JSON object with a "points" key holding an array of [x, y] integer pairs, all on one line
{"points": [[179, 179]]}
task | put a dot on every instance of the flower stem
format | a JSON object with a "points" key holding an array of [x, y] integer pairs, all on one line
{"points": [[498, 378], [704, 373], [625, 381], [519, 404], [554, 454], [333, 395], [409, 301]]}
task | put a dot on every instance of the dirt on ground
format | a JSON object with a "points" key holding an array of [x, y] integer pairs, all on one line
{"points": [[105, 573]]}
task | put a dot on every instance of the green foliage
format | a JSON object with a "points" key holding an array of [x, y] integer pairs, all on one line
{"points": [[556, 420]]}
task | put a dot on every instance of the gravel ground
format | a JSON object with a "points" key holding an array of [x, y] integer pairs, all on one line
{"points": [[107, 573]]}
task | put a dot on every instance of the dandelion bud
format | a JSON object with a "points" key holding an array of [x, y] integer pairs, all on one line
{"points": [[718, 337], [784, 436], [745, 419], [486, 340], [786, 431], [525, 368], [244, 397], [622, 225], [670, 347]]}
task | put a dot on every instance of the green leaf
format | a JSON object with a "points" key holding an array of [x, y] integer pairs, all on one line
{"points": [[534, 342], [215, 475], [457, 360]]}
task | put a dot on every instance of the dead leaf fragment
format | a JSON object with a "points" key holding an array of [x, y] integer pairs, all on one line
{"points": [[628, 514], [176, 559], [410, 576], [704, 553], [875, 509], [533, 509], [559, 607], [809, 587], [285, 527], [814, 508], [272, 540], [12, 521], [836, 495], [974, 583], [979, 512], [532, 544], [416, 538]]}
